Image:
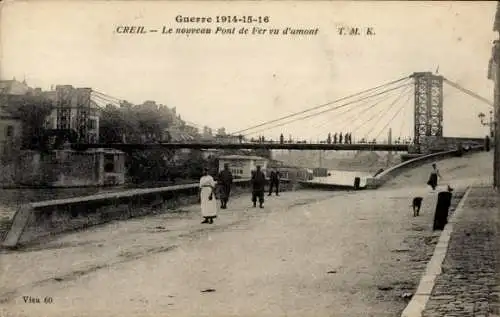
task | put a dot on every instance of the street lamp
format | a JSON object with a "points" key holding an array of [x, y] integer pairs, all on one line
{"points": [[489, 123]]}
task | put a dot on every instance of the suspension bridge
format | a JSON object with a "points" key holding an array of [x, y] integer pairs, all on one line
{"points": [[376, 111]]}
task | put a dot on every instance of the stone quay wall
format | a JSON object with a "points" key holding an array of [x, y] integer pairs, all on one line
{"points": [[42, 219]]}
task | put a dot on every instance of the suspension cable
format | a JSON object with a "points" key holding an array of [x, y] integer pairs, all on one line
{"points": [[358, 117], [319, 106], [403, 121], [324, 111], [467, 91], [107, 96], [106, 101], [102, 100], [382, 114], [385, 127], [400, 131], [361, 107]]}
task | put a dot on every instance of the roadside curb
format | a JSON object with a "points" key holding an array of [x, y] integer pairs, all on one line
{"points": [[434, 267]]}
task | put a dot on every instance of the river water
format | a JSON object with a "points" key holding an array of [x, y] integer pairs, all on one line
{"points": [[343, 177]]}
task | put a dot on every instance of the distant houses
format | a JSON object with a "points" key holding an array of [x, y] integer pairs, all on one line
{"points": [[241, 166]]}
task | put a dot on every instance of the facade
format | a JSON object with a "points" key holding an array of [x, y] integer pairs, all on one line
{"points": [[494, 75], [74, 110], [241, 166], [68, 168]]}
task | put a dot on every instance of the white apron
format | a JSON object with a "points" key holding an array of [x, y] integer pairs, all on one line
{"points": [[208, 207]]}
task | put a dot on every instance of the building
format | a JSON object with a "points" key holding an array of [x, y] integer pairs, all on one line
{"points": [[493, 74], [241, 166], [74, 110], [10, 125], [67, 168]]}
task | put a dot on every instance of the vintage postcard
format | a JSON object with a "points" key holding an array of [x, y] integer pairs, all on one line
{"points": [[249, 158]]}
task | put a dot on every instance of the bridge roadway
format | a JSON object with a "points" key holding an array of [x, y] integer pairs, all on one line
{"points": [[271, 146], [306, 254]]}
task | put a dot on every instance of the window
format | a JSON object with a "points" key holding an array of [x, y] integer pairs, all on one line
{"points": [[92, 124], [9, 131]]}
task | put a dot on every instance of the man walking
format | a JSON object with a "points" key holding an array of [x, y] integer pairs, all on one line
{"points": [[258, 183], [225, 181], [274, 182]]}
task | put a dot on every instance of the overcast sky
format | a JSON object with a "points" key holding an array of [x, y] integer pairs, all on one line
{"points": [[239, 81]]}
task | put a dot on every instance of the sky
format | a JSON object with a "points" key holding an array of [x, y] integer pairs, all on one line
{"points": [[238, 81]]}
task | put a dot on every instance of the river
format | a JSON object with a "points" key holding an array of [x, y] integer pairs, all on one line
{"points": [[343, 177]]}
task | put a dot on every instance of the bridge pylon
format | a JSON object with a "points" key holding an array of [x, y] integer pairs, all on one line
{"points": [[428, 115]]}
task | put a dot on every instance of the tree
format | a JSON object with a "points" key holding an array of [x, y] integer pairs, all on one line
{"points": [[33, 111], [148, 122], [221, 132]]}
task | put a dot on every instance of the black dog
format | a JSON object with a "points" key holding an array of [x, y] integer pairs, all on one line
{"points": [[416, 204]]}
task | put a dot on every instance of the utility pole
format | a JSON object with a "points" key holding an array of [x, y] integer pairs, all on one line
{"points": [[496, 159], [494, 74], [389, 141]]}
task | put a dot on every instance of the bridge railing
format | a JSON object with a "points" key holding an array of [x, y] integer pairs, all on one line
{"points": [[41, 219], [381, 178]]}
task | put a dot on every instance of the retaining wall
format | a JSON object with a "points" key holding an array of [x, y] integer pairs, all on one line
{"points": [[380, 179], [41, 219]]}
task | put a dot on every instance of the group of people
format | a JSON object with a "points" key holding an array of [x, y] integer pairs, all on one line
{"points": [[347, 138], [212, 191]]}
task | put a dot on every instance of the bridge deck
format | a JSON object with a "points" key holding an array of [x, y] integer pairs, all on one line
{"points": [[270, 146]]}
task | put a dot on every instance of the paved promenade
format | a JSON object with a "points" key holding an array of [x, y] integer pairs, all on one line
{"points": [[469, 284], [306, 254]]}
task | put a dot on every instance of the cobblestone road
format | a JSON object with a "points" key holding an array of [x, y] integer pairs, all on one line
{"points": [[306, 254], [469, 284]]}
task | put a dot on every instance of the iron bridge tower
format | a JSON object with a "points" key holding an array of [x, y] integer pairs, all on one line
{"points": [[428, 115]]}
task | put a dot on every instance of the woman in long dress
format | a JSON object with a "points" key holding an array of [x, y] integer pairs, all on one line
{"points": [[433, 178], [207, 197]]}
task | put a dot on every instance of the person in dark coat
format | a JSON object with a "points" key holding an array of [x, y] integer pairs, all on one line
{"points": [[225, 180], [258, 184], [274, 182], [442, 209]]}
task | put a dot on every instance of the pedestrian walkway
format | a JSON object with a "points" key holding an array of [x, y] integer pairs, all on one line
{"points": [[68, 256], [469, 283]]}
